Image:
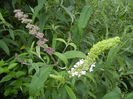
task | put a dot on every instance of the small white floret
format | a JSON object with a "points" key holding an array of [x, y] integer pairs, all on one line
{"points": [[78, 63], [93, 65], [72, 68], [81, 62], [79, 75], [73, 74], [68, 71], [76, 73], [91, 69], [83, 72], [75, 66]]}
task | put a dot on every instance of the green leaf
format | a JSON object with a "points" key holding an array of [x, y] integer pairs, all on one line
{"points": [[38, 80], [3, 70], [130, 2], [10, 91], [11, 42], [84, 16], [63, 93], [77, 34], [38, 50], [19, 73], [2, 63], [114, 94], [73, 45], [62, 57], [6, 78], [31, 97], [129, 96], [70, 92], [13, 3], [4, 46], [74, 54], [11, 34], [38, 53], [35, 66], [61, 40], [32, 46], [69, 13], [11, 66], [4, 21], [38, 8], [90, 76], [54, 41], [129, 62], [42, 20], [55, 94]]}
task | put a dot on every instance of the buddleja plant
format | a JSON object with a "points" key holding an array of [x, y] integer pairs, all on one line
{"points": [[81, 67]]}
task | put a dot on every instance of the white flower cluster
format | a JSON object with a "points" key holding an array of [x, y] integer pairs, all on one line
{"points": [[74, 72], [91, 67]]}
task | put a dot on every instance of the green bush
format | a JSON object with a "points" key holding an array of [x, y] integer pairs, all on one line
{"points": [[73, 28]]}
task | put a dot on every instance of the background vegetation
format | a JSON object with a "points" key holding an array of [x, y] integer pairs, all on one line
{"points": [[72, 28]]}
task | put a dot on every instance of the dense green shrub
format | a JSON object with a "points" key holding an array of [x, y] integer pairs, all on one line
{"points": [[72, 27]]}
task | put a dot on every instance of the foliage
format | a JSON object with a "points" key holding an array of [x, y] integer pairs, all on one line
{"points": [[72, 28]]}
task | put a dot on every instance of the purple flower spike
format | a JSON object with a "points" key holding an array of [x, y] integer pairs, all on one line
{"points": [[41, 41], [39, 35], [33, 30], [49, 50], [44, 40], [17, 10]]}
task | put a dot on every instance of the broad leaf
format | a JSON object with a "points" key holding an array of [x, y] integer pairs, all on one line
{"points": [[70, 92], [74, 54], [62, 57], [38, 80], [84, 16], [114, 94], [12, 34], [4, 46], [129, 96], [6, 78]]}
